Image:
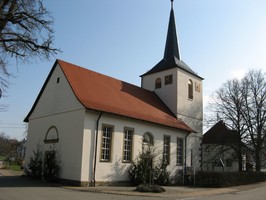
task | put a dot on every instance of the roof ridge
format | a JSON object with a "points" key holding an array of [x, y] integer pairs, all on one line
{"points": [[104, 75]]}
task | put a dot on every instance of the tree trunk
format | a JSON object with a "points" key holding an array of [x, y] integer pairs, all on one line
{"points": [[240, 162], [257, 160]]}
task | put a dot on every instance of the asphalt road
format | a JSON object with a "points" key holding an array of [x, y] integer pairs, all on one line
{"points": [[23, 188], [252, 194]]}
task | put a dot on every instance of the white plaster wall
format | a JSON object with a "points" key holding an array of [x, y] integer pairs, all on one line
{"points": [[167, 93], [191, 112], [89, 145], [56, 97], [58, 107], [116, 170], [187, 107], [175, 96], [69, 148]]}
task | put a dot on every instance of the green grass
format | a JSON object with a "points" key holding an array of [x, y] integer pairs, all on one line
{"points": [[15, 167]]}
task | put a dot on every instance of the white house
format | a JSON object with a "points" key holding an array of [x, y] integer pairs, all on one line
{"points": [[99, 124]]}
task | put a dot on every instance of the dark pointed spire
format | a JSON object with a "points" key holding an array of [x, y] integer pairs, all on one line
{"points": [[172, 56], [171, 46]]}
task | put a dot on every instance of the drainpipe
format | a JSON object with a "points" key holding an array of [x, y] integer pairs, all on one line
{"points": [[95, 149]]}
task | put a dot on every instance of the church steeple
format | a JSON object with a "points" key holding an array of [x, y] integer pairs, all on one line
{"points": [[172, 58], [171, 47]]}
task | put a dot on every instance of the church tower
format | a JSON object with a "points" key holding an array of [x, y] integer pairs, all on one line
{"points": [[180, 88]]}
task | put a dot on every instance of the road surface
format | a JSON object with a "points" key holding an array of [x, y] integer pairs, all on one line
{"points": [[23, 188]]}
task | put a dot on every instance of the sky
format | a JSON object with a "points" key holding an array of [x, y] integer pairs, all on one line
{"points": [[218, 39]]}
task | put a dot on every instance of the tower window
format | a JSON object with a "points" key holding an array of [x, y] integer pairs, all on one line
{"points": [[158, 83], [168, 79], [190, 89]]}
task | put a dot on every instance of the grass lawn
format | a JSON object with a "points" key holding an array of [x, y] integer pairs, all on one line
{"points": [[15, 167]]}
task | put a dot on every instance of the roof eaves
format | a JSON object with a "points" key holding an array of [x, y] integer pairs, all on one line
{"points": [[188, 129]]}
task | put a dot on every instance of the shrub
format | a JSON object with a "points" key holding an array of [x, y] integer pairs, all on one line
{"points": [[147, 188], [161, 174], [34, 168], [225, 179], [142, 170], [51, 166]]}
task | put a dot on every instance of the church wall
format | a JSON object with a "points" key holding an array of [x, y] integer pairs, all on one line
{"points": [[58, 110], [191, 112], [167, 93], [69, 128], [190, 107], [116, 170], [57, 97]]}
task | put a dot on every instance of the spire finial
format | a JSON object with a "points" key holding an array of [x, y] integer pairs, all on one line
{"points": [[171, 46], [172, 4]]}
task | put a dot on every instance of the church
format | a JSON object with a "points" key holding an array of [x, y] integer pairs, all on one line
{"points": [[98, 124]]}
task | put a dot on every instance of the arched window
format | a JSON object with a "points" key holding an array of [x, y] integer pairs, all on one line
{"points": [[51, 135], [158, 83], [148, 139], [190, 89]]}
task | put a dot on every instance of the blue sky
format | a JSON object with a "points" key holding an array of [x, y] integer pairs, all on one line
{"points": [[218, 39]]}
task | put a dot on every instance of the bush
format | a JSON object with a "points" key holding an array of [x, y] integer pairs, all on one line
{"points": [[161, 174], [147, 188], [34, 168], [142, 171], [226, 179], [51, 166]]}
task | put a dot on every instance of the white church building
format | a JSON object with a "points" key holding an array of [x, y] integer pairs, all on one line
{"points": [[98, 125]]}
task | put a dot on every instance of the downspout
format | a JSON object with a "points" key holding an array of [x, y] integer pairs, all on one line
{"points": [[95, 149]]}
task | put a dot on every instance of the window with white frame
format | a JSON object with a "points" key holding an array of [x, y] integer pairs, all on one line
{"points": [[179, 151], [106, 143], [166, 149], [127, 150]]}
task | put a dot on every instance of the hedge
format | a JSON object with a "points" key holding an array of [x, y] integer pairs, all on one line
{"points": [[226, 179]]}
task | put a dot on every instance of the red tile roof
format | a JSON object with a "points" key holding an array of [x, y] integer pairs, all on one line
{"points": [[106, 94]]}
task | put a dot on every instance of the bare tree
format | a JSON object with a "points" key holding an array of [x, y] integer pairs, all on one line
{"points": [[227, 103], [25, 33], [242, 106], [254, 112]]}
